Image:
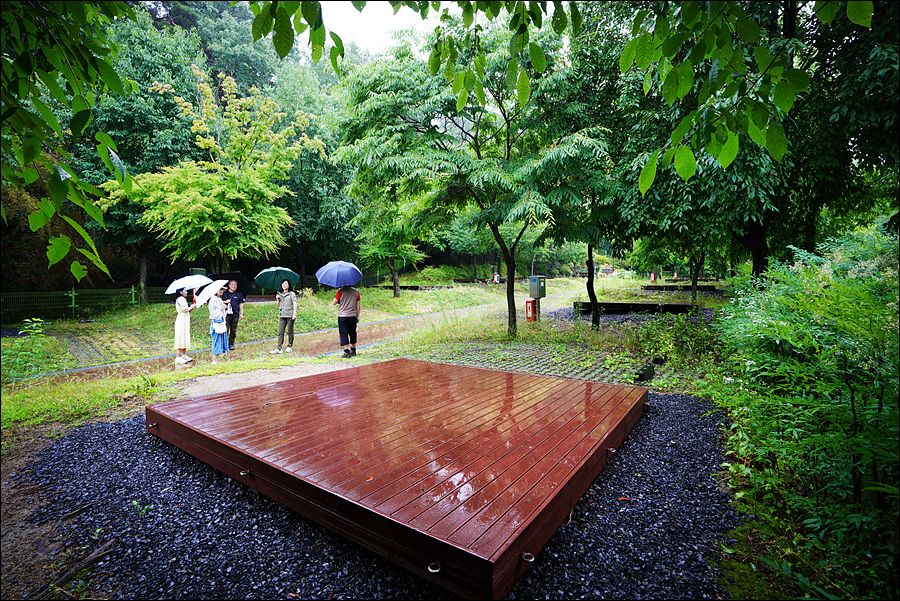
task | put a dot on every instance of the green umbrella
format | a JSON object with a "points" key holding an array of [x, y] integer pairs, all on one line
{"points": [[272, 277]]}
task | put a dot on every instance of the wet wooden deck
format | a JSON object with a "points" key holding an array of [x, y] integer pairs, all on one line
{"points": [[458, 474]]}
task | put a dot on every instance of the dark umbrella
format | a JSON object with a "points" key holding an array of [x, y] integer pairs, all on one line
{"points": [[244, 283], [339, 273], [272, 277]]}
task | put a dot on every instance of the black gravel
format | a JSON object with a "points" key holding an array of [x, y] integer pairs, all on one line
{"points": [[648, 528]]}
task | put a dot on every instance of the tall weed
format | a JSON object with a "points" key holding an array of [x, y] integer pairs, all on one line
{"points": [[812, 390]]}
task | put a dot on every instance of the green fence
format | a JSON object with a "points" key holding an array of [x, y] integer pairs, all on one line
{"points": [[72, 304]]}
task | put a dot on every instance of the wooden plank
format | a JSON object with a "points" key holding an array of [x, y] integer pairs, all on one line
{"points": [[423, 463]]}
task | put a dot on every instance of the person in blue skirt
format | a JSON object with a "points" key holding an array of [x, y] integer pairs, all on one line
{"points": [[217, 328]]}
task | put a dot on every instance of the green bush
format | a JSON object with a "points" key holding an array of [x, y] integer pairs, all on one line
{"points": [[813, 394]]}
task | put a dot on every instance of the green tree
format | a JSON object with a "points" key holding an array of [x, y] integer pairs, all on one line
{"points": [[388, 233], [223, 207], [735, 71], [146, 127], [56, 56], [409, 130]]}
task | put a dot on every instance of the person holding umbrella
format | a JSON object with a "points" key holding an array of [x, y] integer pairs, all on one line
{"points": [[182, 326], [217, 328], [287, 315], [343, 276], [349, 302]]}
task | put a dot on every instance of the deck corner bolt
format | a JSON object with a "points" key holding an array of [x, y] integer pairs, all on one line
{"points": [[153, 425], [527, 557], [434, 567], [245, 472], [611, 450]]}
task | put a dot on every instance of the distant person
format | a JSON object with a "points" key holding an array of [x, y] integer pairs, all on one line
{"points": [[183, 326], [287, 315], [234, 310], [349, 303], [217, 328]]}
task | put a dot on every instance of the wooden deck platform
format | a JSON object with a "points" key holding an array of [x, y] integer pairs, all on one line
{"points": [[457, 474]]}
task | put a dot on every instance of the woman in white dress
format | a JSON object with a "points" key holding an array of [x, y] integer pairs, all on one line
{"points": [[182, 327]]}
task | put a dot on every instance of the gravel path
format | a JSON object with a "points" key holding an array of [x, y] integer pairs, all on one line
{"points": [[649, 526]]}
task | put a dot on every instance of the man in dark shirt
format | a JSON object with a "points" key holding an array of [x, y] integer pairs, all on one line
{"points": [[234, 310]]}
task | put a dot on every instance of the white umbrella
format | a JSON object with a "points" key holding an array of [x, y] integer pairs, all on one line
{"points": [[209, 290], [191, 282]]}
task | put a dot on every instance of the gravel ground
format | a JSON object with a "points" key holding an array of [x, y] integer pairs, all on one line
{"points": [[649, 527]]}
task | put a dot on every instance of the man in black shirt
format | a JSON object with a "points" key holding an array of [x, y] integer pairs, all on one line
{"points": [[234, 310]]}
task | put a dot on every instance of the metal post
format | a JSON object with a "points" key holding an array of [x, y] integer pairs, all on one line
{"points": [[72, 294], [132, 296], [537, 309]]}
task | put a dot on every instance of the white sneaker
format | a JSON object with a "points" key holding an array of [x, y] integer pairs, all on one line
{"points": [[187, 358], [180, 360], [275, 352], [288, 350]]}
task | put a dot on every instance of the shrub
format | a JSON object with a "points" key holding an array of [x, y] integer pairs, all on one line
{"points": [[812, 391]]}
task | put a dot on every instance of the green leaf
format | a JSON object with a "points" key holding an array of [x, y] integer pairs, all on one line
{"points": [[747, 30], [523, 87], [685, 162], [479, 93], [684, 126], [283, 38], [335, 55], [827, 10], [648, 173], [468, 15], [512, 73], [763, 58], [667, 157], [47, 114], [450, 71], [461, 100], [434, 61], [312, 14], [798, 78], [685, 78], [538, 59], [95, 258], [784, 96], [78, 270], [626, 59], [57, 249], [42, 216], [80, 121], [576, 18], [756, 133], [459, 82], [262, 23], [644, 50], [670, 87], [776, 141], [729, 150], [860, 12], [109, 76], [559, 20]]}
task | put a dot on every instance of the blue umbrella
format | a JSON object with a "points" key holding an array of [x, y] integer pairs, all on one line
{"points": [[272, 277], [339, 273]]}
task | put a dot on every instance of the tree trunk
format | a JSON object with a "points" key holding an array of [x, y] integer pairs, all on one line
{"points": [[220, 264], [142, 270], [395, 277], [696, 268], [595, 308], [302, 264], [755, 241], [512, 328]]}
